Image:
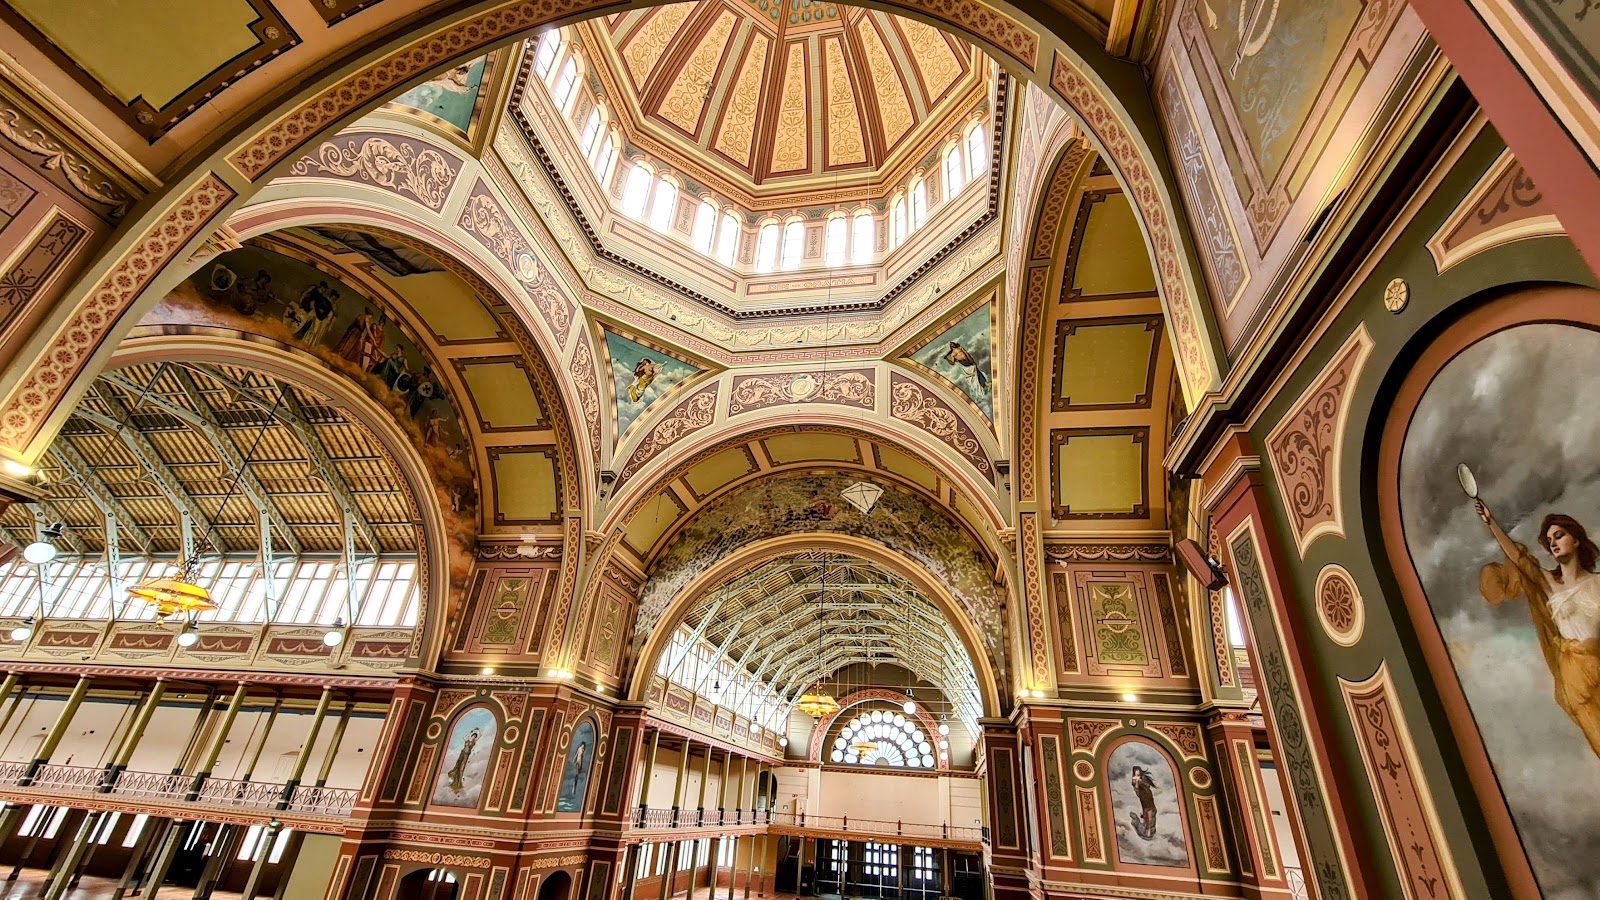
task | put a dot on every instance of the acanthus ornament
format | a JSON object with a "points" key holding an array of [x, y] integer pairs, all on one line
{"points": [[400, 167]]}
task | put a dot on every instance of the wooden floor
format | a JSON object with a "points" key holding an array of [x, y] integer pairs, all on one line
{"points": [[30, 884]]}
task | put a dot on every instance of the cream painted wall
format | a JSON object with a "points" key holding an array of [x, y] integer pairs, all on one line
{"points": [[880, 795], [100, 723]]}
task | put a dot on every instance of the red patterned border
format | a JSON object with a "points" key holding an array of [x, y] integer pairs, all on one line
{"points": [[32, 401]]}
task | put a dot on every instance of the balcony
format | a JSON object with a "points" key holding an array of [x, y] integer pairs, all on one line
{"points": [[762, 821], [306, 807]]}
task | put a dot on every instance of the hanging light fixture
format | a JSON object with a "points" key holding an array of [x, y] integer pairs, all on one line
{"points": [[184, 594], [910, 706], [861, 746]]}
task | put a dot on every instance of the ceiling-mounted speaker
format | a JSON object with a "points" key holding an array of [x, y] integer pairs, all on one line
{"points": [[1205, 569]]}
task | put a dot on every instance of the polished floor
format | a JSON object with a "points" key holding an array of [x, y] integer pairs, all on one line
{"points": [[30, 885]]}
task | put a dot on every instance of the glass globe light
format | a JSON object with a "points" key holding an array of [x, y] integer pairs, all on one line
{"points": [[910, 707], [21, 633], [39, 552], [188, 638]]}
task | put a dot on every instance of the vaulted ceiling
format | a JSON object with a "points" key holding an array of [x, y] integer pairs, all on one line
{"points": [[777, 90]]}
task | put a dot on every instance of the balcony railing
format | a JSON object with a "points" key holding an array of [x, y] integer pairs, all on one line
{"points": [[879, 827], [165, 787], [667, 817]]}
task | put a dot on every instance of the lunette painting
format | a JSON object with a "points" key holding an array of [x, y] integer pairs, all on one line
{"points": [[575, 774], [641, 376], [1509, 574], [466, 759], [1145, 806], [451, 95]]}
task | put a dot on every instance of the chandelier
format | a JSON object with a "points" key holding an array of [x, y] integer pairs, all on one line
{"points": [[862, 746], [817, 702], [174, 595]]}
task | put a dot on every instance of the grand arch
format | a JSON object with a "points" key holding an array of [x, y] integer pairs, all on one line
{"points": [[224, 173]]}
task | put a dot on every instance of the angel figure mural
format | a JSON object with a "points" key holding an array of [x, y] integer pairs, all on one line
{"points": [[643, 374], [1564, 602]]}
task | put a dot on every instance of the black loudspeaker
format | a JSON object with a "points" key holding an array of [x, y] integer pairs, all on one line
{"points": [[1201, 566]]}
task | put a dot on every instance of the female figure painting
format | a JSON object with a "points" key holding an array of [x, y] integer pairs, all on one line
{"points": [[466, 759], [575, 774], [1506, 420], [1146, 806], [1565, 605]]}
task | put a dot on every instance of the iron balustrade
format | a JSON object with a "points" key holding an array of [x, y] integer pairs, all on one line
{"points": [[647, 817], [167, 787], [896, 828]]}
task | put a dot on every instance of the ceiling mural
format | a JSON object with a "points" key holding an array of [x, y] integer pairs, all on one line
{"points": [[263, 292], [640, 376], [449, 100], [802, 503], [963, 355]]}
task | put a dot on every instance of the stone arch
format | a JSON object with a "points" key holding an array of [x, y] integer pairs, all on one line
{"points": [[985, 658], [78, 336], [440, 560]]}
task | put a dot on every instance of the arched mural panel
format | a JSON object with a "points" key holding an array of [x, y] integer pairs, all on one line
{"points": [[1146, 800], [1487, 488], [464, 763]]}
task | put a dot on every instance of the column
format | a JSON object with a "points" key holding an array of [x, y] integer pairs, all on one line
{"points": [[671, 875], [722, 790], [733, 866], [217, 743], [291, 849], [57, 732], [677, 787], [1009, 852], [705, 781], [252, 884], [649, 772], [630, 877], [136, 733], [304, 756], [738, 803]]}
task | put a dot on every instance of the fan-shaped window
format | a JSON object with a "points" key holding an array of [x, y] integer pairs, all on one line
{"points": [[566, 83], [954, 177], [705, 226], [664, 205], [544, 56], [882, 737], [727, 238], [794, 240], [919, 204], [636, 191], [602, 160], [833, 246], [591, 131], [863, 233], [767, 248], [897, 221], [977, 151]]}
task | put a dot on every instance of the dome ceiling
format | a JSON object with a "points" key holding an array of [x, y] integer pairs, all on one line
{"points": [[786, 91]]}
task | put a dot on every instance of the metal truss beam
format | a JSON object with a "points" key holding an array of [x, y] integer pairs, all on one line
{"points": [[99, 493]]}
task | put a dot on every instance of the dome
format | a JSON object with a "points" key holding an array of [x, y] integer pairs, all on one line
{"points": [[776, 94]]}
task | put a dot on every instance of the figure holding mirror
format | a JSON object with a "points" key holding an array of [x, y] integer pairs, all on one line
{"points": [[1564, 602]]}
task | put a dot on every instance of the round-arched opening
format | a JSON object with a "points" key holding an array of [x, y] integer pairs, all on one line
{"points": [[557, 886], [429, 884]]}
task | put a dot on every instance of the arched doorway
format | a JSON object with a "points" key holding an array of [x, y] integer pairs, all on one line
{"points": [[557, 886], [428, 884]]}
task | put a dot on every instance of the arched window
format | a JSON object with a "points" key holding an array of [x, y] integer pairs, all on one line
{"points": [[863, 234], [834, 240], [897, 221], [544, 56], [664, 205], [705, 226], [636, 191], [602, 160], [977, 151], [954, 177], [727, 238], [767, 247], [591, 131], [566, 83], [919, 204], [794, 241]]}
